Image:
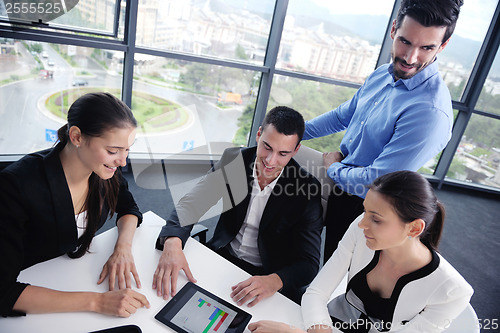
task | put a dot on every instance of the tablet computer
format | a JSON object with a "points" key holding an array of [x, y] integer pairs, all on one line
{"points": [[195, 310]]}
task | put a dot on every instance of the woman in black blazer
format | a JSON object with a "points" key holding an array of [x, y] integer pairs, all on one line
{"points": [[52, 203]]}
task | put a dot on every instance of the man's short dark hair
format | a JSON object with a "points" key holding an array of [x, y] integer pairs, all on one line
{"points": [[431, 13], [286, 121]]}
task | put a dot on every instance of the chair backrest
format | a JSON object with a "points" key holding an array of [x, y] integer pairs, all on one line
{"points": [[465, 322], [312, 161]]}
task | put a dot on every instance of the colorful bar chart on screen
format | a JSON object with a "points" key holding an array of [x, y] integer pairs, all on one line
{"points": [[204, 315]]}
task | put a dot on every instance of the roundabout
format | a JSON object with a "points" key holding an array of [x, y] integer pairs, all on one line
{"points": [[154, 114]]}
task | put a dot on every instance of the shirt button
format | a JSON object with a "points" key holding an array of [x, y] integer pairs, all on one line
{"points": [[362, 123], [376, 103], [350, 141]]}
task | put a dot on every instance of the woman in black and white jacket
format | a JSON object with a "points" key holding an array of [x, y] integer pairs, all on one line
{"points": [[397, 282]]}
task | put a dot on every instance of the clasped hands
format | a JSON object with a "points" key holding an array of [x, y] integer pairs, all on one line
{"points": [[172, 261], [332, 157]]}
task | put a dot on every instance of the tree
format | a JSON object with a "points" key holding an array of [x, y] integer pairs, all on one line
{"points": [[195, 76], [36, 47], [240, 53], [244, 124]]}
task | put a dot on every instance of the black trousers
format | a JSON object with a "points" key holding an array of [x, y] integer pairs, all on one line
{"points": [[342, 209]]}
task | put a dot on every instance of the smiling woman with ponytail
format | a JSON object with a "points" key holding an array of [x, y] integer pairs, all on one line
{"points": [[53, 201]]}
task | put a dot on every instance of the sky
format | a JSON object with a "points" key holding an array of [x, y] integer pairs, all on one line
{"points": [[475, 15]]}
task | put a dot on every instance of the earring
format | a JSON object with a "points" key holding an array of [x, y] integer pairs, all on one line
{"points": [[77, 146], [409, 237]]}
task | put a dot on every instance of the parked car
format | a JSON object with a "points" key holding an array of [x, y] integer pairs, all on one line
{"points": [[80, 82], [50, 62]]}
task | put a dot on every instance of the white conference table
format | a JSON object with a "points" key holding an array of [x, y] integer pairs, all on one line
{"points": [[212, 272]]}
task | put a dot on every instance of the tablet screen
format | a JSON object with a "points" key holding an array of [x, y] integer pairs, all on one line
{"points": [[195, 310]]}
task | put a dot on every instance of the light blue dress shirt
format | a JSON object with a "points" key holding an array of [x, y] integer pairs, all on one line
{"points": [[389, 126]]}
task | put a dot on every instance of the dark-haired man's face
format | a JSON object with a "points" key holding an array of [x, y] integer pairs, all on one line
{"points": [[414, 47], [274, 151]]}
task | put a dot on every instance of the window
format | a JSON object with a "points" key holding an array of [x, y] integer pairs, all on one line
{"points": [[489, 100], [477, 159], [198, 69], [311, 99], [327, 38], [458, 58], [182, 105], [96, 16], [38, 83], [236, 30]]}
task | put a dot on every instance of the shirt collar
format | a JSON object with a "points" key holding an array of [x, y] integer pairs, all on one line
{"points": [[418, 79], [256, 181]]}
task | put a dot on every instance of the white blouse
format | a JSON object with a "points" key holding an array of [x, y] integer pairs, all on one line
{"points": [[81, 223]]}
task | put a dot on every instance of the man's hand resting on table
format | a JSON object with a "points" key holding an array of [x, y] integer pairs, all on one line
{"points": [[268, 326], [256, 288], [172, 260]]}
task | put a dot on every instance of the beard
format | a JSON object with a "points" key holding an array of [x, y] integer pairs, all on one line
{"points": [[399, 74]]}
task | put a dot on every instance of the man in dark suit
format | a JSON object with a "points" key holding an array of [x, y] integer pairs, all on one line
{"points": [[271, 221]]}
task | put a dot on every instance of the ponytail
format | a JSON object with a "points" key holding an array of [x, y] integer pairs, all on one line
{"points": [[412, 197], [432, 233], [63, 135]]}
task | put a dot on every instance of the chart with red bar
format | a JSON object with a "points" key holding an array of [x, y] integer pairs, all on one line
{"points": [[201, 314]]}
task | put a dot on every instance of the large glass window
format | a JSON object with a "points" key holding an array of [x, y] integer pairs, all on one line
{"points": [[458, 58], [183, 105], [83, 15], [194, 106], [220, 28], [38, 82], [311, 99], [489, 100], [477, 159], [334, 38]]}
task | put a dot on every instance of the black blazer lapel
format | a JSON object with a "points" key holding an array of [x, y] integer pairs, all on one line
{"points": [[61, 201], [275, 203], [248, 159]]}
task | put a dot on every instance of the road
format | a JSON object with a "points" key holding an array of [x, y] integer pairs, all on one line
{"points": [[24, 125]]}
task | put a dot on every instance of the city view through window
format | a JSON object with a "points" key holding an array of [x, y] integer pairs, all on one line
{"points": [[184, 104]]}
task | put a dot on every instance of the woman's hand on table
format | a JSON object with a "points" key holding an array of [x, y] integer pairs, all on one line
{"points": [[120, 266], [121, 303]]}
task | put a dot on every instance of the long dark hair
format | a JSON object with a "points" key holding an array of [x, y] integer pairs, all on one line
{"points": [[412, 197], [94, 114]]}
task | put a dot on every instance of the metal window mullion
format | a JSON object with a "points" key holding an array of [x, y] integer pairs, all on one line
{"points": [[59, 38], [266, 81], [315, 78], [129, 40], [116, 24], [471, 94], [482, 66], [384, 56], [201, 59]]}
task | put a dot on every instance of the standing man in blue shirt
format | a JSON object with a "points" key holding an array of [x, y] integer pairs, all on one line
{"points": [[399, 119]]}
